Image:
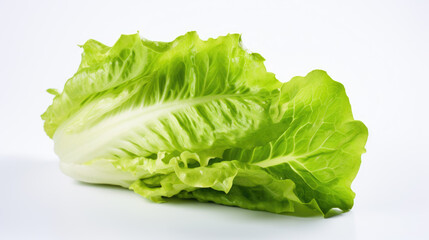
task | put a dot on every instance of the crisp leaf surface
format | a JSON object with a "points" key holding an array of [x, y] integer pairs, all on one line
{"points": [[205, 120]]}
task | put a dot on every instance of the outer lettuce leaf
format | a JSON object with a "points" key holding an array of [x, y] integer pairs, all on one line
{"points": [[185, 68], [140, 98], [320, 150], [227, 182], [205, 120], [311, 164]]}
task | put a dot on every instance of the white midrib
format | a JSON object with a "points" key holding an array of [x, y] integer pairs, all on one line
{"points": [[275, 161], [283, 159], [88, 144]]}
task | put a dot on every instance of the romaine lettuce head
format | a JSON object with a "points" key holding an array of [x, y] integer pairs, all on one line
{"points": [[205, 120]]}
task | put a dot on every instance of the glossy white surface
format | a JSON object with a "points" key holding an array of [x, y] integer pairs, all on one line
{"points": [[38, 202], [378, 49]]}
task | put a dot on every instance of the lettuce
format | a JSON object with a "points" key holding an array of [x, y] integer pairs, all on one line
{"points": [[205, 120]]}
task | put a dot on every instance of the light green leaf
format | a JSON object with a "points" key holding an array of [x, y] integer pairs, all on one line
{"points": [[140, 98], [205, 120], [321, 146]]}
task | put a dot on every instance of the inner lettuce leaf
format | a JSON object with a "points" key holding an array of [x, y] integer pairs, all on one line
{"points": [[205, 120]]}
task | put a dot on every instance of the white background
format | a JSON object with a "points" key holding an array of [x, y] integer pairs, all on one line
{"points": [[377, 49]]}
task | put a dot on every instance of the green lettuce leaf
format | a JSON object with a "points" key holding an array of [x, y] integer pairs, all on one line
{"points": [[205, 120], [321, 147], [139, 98]]}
